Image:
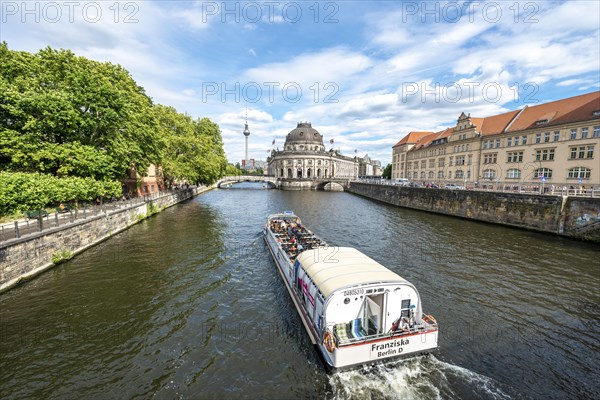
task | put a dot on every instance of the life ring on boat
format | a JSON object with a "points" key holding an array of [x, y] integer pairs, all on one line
{"points": [[329, 342], [429, 318]]}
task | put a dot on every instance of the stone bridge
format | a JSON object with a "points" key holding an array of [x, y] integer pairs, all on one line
{"points": [[247, 178], [333, 184]]}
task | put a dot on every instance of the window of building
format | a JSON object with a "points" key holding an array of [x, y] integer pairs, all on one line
{"points": [[459, 174], [542, 173], [597, 131], [470, 159], [516, 140], [524, 140], [432, 163], [416, 164], [556, 136], [423, 163], [440, 174], [538, 137], [450, 162], [573, 134], [409, 166], [546, 137], [508, 142], [460, 160], [581, 152], [440, 162], [430, 175], [544, 155], [584, 133], [490, 158], [513, 173], [580, 172], [422, 174], [489, 174], [485, 142], [497, 143], [515, 156], [415, 175]]}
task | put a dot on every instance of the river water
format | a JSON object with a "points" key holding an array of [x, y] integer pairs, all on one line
{"points": [[188, 304]]}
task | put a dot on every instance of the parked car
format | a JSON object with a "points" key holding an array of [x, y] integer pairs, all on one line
{"points": [[415, 184], [453, 186], [400, 181]]}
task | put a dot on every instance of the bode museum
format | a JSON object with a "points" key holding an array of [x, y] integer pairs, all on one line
{"points": [[305, 164]]}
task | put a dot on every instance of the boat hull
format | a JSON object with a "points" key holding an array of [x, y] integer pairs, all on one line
{"points": [[353, 355]]}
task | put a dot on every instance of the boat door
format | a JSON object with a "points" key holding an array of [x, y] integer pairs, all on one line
{"points": [[372, 314]]}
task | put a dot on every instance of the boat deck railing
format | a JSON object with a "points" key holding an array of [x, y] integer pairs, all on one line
{"points": [[427, 325]]}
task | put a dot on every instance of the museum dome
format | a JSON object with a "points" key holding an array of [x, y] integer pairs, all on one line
{"points": [[304, 132]]}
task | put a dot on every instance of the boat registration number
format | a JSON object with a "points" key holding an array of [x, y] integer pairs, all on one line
{"points": [[353, 292]]}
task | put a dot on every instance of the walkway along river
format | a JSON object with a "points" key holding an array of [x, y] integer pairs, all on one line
{"points": [[188, 304]]}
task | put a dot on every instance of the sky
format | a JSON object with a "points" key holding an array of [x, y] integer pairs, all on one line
{"points": [[364, 73]]}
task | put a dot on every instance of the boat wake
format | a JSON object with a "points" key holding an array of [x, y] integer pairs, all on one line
{"points": [[423, 377]]}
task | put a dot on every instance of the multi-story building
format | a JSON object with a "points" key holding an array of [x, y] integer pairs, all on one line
{"points": [[304, 160], [553, 144], [368, 167]]}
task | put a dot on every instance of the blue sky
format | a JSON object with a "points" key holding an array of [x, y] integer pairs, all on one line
{"points": [[364, 73]]}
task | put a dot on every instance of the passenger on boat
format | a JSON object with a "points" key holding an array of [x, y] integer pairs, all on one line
{"points": [[400, 325]]}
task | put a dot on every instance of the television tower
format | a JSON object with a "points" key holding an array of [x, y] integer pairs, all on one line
{"points": [[246, 134]]}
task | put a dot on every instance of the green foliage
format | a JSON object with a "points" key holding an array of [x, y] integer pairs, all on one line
{"points": [[233, 170], [89, 123], [193, 149], [70, 116], [387, 172], [21, 191], [61, 256]]}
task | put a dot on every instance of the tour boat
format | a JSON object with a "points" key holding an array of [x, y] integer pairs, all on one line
{"points": [[355, 310]]}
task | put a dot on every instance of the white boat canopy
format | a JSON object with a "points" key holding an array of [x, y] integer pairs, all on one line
{"points": [[336, 268]]}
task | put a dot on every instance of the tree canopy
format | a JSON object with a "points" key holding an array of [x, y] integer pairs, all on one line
{"points": [[387, 172], [66, 116]]}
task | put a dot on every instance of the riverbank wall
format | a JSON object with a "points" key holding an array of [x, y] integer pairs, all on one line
{"points": [[23, 258], [575, 217]]}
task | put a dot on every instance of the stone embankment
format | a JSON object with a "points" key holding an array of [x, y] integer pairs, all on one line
{"points": [[23, 258], [576, 217]]}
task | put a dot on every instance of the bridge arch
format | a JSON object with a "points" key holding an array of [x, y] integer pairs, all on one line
{"points": [[333, 185], [246, 178]]}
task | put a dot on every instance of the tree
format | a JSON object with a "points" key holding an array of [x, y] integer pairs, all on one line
{"points": [[70, 116], [71, 128], [387, 172]]}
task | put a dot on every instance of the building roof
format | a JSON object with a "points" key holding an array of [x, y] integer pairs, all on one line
{"points": [[496, 123], [427, 140], [304, 132], [343, 267], [569, 110], [412, 137]]}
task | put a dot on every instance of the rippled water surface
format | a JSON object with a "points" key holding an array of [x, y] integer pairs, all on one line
{"points": [[188, 304]]}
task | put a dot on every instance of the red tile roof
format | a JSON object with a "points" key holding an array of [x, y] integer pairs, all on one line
{"points": [[572, 109], [569, 110], [412, 137]]}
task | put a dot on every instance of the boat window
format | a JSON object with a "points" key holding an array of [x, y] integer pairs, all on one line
{"points": [[405, 308]]}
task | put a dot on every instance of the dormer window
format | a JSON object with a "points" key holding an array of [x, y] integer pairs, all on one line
{"points": [[541, 122], [596, 113]]}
